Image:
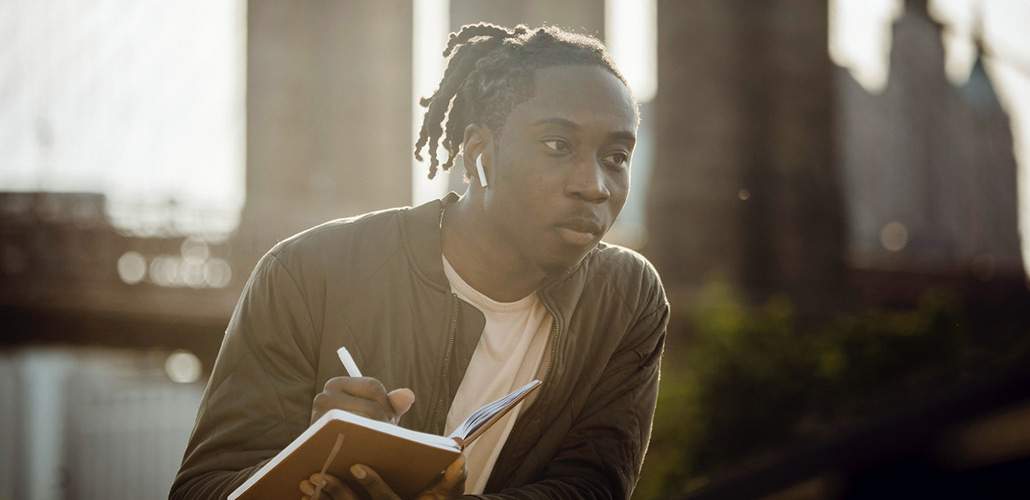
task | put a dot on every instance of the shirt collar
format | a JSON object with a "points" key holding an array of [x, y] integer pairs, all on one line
{"points": [[421, 236]]}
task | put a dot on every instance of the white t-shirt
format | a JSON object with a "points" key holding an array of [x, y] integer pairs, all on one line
{"points": [[506, 358]]}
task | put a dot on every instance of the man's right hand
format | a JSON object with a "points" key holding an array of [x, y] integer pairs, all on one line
{"points": [[364, 396]]}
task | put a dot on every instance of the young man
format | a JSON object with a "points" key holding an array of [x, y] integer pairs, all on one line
{"points": [[461, 300]]}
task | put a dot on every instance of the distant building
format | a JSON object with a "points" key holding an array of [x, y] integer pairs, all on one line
{"points": [[928, 167]]}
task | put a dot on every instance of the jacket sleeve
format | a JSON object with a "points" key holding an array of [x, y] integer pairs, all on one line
{"points": [[603, 452], [259, 395]]}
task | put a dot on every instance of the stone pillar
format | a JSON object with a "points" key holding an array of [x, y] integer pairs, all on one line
{"points": [[581, 16], [328, 114], [745, 187]]}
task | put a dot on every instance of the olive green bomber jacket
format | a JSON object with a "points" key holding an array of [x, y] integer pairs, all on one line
{"points": [[375, 283]]}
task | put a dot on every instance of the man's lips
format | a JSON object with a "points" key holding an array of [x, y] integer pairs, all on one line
{"points": [[580, 231], [583, 225]]}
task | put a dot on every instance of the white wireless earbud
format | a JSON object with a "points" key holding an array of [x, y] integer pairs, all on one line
{"points": [[479, 170]]}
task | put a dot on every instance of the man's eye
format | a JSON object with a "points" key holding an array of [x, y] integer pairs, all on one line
{"points": [[556, 145], [620, 160]]}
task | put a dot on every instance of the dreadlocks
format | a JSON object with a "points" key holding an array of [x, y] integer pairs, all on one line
{"points": [[490, 71]]}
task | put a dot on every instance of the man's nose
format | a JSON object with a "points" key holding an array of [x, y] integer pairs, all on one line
{"points": [[587, 182]]}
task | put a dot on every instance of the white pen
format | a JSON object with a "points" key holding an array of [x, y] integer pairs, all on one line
{"points": [[348, 362]]}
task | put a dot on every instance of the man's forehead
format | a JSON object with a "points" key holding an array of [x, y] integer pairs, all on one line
{"points": [[579, 96]]}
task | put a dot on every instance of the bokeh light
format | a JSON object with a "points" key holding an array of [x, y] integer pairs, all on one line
{"points": [[183, 367], [894, 236], [132, 267]]}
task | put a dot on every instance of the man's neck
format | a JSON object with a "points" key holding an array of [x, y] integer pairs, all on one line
{"points": [[479, 254]]}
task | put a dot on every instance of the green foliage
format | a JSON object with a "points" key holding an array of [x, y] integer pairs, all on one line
{"points": [[752, 379]]}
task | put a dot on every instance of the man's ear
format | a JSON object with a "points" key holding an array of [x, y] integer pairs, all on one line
{"points": [[477, 144]]}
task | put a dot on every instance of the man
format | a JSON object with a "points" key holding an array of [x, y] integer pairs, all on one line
{"points": [[461, 300]]}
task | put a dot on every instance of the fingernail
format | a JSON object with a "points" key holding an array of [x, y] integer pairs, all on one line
{"points": [[357, 471]]}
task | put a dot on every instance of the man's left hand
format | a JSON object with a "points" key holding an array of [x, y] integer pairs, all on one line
{"points": [[450, 485]]}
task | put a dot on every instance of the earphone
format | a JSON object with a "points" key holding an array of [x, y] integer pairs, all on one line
{"points": [[479, 170]]}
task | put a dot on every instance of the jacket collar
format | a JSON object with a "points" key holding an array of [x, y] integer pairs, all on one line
{"points": [[421, 236]]}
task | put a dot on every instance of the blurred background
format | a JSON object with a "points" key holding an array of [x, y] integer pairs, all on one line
{"points": [[835, 194]]}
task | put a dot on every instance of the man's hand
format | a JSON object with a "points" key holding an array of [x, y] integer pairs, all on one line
{"points": [[450, 485], [364, 396]]}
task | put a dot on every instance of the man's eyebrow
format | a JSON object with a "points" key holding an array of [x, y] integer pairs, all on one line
{"points": [[621, 135], [624, 136], [557, 121]]}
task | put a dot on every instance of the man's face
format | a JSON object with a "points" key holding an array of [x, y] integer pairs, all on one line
{"points": [[561, 170]]}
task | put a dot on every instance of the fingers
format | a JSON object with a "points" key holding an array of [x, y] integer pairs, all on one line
{"points": [[307, 488], [365, 396], [401, 400], [326, 401], [373, 484], [456, 471], [331, 488], [451, 483], [453, 480], [360, 387], [309, 492]]}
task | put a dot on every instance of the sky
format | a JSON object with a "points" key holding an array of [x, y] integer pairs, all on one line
{"points": [[142, 101]]}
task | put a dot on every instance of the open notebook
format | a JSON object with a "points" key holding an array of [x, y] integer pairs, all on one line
{"points": [[409, 461]]}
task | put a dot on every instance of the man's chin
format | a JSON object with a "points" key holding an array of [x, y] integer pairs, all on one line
{"points": [[564, 261]]}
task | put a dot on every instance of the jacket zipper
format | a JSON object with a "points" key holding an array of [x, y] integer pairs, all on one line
{"points": [[452, 329], [552, 362], [553, 359]]}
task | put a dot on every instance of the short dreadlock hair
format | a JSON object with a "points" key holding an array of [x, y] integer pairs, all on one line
{"points": [[490, 71]]}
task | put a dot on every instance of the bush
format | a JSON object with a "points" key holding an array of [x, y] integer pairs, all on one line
{"points": [[750, 380]]}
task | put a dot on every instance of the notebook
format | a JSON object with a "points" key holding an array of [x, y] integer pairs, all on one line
{"points": [[409, 461]]}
